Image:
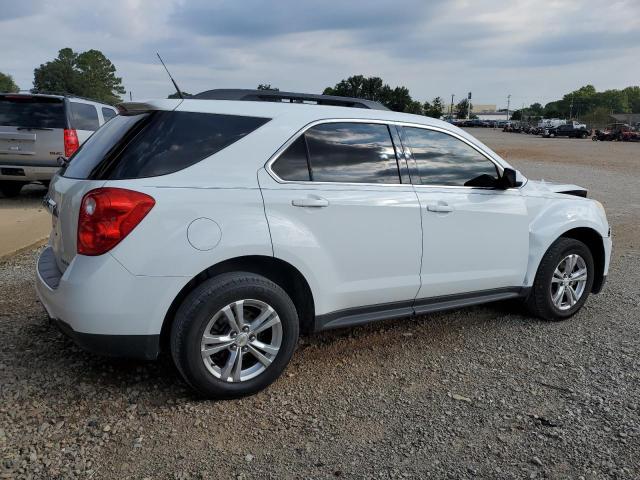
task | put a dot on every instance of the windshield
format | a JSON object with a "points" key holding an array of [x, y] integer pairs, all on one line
{"points": [[34, 112]]}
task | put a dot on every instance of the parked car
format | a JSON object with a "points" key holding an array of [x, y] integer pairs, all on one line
{"points": [[621, 132], [219, 227], [472, 123], [566, 130], [36, 129], [551, 122]]}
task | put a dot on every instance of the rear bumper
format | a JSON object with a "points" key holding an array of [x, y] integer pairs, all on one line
{"points": [[103, 307], [24, 173], [144, 347]]}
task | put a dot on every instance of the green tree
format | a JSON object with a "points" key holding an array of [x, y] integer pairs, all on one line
{"points": [[88, 74], [462, 107], [536, 109], [434, 109], [7, 84], [633, 98], [267, 86], [373, 88]]}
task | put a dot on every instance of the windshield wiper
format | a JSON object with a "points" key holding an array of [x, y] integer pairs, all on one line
{"points": [[35, 128]]}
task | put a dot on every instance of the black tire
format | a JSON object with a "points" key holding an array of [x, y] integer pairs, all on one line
{"points": [[198, 308], [539, 301], [11, 189]]}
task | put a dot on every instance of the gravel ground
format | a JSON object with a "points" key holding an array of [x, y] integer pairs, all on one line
{"points": [[483, 392]]}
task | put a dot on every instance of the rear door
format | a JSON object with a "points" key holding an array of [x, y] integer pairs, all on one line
{"points": [[475, 238], [339, 211], [84, 119], [31, 130]]}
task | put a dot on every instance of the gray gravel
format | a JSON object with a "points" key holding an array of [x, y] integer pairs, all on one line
{"points": [[484, 392]]}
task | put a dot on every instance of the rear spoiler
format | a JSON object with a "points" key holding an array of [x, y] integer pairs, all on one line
{"points": [[135, 108]]}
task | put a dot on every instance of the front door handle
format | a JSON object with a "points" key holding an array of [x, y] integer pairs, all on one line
{"points": [[310, 202], [440, 207]]}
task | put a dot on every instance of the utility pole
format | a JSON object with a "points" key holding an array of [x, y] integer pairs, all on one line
{"points": [[130, 96], [451, 107], [571, 108], [468, 105], [508, 105]]}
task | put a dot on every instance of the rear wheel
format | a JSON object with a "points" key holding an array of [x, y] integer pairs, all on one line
{"points": [[234, 335], [563, 281], [11, 189]]}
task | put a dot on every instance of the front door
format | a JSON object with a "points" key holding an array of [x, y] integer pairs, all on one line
{"points": [[475, 239]]}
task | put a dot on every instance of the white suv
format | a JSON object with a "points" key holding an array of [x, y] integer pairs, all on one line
{"points": [[219, 227]]}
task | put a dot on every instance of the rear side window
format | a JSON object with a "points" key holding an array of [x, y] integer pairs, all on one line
{"points": [[342, 152], [108, 114], [35, 112], [445, 160], [84, 116], [352, 153], [156, 143]]}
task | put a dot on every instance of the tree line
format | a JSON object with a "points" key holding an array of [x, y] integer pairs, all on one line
{"points": [[91, 74], [585, 103], [88, 74]]}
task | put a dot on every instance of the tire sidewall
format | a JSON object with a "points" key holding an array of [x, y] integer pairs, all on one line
{"points": [[197, 318]]}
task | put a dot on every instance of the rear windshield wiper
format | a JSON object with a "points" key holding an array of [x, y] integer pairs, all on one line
{"points": [[35, 128]]}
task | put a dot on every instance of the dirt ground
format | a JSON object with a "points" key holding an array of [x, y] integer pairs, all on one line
{"points": [[24, 222], [484, 392]]}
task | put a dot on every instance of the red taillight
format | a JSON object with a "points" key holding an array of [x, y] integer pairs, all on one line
{"points": [[71, 142], [107, 215]]}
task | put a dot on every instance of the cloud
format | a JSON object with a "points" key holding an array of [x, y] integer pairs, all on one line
{"points": [[21, 9], [255, 19], [534, 51]]}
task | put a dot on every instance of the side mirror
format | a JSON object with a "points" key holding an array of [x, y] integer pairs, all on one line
{"points": [[508, 179]]}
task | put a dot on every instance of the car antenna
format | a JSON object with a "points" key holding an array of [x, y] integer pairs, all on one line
{"points": [[172, 80]]}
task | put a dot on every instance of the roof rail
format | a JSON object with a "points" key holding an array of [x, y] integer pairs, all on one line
{"points": [[291, 97]]}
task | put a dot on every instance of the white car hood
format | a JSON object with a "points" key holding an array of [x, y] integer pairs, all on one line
{"points": [[543, 186]]}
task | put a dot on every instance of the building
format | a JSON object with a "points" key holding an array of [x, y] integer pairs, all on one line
{"points": [[629, 118], [482, 108]]}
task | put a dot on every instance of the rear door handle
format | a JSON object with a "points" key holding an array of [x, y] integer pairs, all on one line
{"points": [[310, 202], [440, 207]]}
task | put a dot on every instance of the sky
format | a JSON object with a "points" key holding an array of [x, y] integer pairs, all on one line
{"points": [[535, 50]]}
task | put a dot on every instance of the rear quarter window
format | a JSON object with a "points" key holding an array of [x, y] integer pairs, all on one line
{"points": [[108, 114], [84, 116], [156, 143]]}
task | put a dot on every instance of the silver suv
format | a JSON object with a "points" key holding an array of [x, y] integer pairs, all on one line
{"points": [[36, 129]]}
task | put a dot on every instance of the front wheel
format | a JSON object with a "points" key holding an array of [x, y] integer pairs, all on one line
{"points": [[234, 335], [563, 281]]}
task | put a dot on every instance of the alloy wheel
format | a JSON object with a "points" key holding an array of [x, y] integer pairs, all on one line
{"points": [[241, 340], [568, 281]]}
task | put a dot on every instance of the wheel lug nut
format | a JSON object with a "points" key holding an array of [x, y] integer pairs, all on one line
{"points": [[244, 349], [233, 347], [252, 338], [245, 328]]}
